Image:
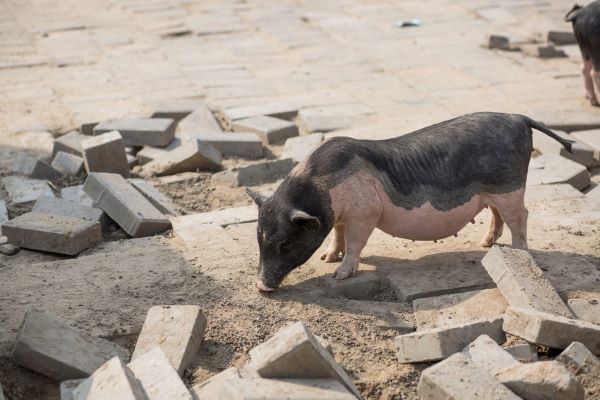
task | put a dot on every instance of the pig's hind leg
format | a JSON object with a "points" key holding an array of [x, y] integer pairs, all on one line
{"points": [[511, 207], [494, 230], [589, 75], [337, 244]]}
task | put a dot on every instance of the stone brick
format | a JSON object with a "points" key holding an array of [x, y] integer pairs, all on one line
{"points": [[522, 281], [277, 110], [140, 131], [55, 349], [488, 355], [458, 308], [322, 123], [52, 233], [290, 389], [175, 109], [551, 330], [69, 143], [125, 205], [71, 208], [158, 200], [67, 164], [238, 144], [31, 166], [149, 153], [364, 285], [178, 330], [24, 190], [113, 380], [67, 388], [190, 156], [298, 148], [209, 389], [458, 377], [105, 153], [498, 42], [254, 174], [200, 120], [76, 193], [549, 169], [541, 380], [543, 51], [523, 352], [293, 352], [201, 235], [590, 138], [586, 307], [271, 130], [581, 152], [561, 37], [439, 343], [158, 377], [579, 355]]}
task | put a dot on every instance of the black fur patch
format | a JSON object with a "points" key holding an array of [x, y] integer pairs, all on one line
{"points": [[586, 25]]}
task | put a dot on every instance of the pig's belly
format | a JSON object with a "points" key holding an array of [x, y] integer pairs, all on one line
{"points": [[425, 222]]}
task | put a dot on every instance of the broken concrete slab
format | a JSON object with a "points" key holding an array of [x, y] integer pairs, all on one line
{"points": [[209, 389], [300, 147], [125, 205], [158, 200], [458, 308], [76, 193], [523, 352], [237, 144], [254, 174], [586, 307], [580, 152], [192, 155], [177, 329], [458, 377], [113, 380], [522, 282], [57, 350], [290, 389], [23, 190], [277, 110], [69, 143], [158, 377], [584, 365], [149, 153], [31, 166], [67, 164], [551, 330], [271, 130], [294, 352], [52, 233], [140, 131], [228, 216], [591, 138], [549, 169], [561, 37], [488, 355], [105, 153], [543, 51], [541, 380], [362, 286], [439, 343], [200, 120], [544, 193], [70, 208]]}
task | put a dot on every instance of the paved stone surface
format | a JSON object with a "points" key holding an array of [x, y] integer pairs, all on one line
{"points": [[178, 330], [458, 377], [76, 193], [31, 166], [69, 143], [239, 144], [54, 349], [271, 130], [298, 148], [364, 285], [523, 352], [590, 138], [158, 200], [52, 233], [551, 169], [522, 282], [158, 377], [113, 380], [488, 355], [439, 343], [67, 164], [192, 155], [24, 190], [541, 380], [105, 153], [140, 131], [581, 152], [277, 110], [125, 205], [255, 174], [200, 120], [551, 330], [586, 307]]}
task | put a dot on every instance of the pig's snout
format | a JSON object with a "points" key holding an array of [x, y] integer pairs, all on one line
{"points": [[263, 288]]}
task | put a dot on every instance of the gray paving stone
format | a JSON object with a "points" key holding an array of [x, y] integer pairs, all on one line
{"points": [[105, 153], [364, 285], [158, 377], [200, 120], [543, 51], [549, 169], [113, 380], [581, 152], [298, 148], [149, 153], [293, 352], [140, 131], [55, 349], [31, 166], [590, 138], [67, 164], [69, 143], [190, 156], [67, 388], [270, 129], [71, 208], [541, 380], [522, 281], [87, 128], [322, 123], [551, 330], [458, 377], [439, 343], [177, 329], [561, 37], [76, 193], [277, 110], [238, 144], [24, 190], [488, 355], [586, 307], [255, 174], [158, 200], [125, 205], [290, 389], [52, 233], [523, 352]]}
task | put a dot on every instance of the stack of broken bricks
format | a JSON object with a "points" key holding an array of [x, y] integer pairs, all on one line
{"points": [[553, 46], [293, 364], [182, 137]]}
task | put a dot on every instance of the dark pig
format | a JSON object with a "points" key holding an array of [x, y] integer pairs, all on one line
{"points": [[426, 185]]}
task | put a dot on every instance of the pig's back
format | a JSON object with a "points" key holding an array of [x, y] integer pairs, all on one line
{"points": [[586, 27]]}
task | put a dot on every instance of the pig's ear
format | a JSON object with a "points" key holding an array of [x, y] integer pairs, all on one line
{"points": [[257, 197], [305, 221]]}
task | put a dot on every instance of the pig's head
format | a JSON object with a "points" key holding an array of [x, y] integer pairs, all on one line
{"points": [[287, 235]]}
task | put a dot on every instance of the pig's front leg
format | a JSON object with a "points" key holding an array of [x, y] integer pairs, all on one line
{"points": [[337, 244], [357, 234]]}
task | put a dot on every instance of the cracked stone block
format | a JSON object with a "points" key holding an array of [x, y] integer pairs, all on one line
{"points": [[271, 130], [31, 166], [300, 147], [76, 193], [364, 285], [113, 380], [522, 282], [23, 190], [59, 351], [549, 169], [523, 352], [254, 174], [69, 143], [67, 164], [488, 355], [158, 377], [192, 155], [591, 138], [581, 152], [277, 110], [158, 200], [105, 153], [70, 208], [201, 119], [140, 131], [177, 329], [238, 144]]}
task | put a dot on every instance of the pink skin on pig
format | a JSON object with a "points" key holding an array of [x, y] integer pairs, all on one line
{"points": [[360, 205], [589, 76]]}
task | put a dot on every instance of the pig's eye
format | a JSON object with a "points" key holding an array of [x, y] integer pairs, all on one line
{"points": [[284, 245]]}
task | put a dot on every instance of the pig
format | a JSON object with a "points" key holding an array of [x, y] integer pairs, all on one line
{"points": [[586, 25], [425, 185]]}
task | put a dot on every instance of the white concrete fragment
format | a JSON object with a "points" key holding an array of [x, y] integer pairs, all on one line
{"points": [[158, 377], [523, 352], [112, 381], [289, 389], [488, 355], [590, 138], [209, 389]]}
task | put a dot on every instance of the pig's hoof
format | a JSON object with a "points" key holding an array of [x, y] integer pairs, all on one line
{"points": [[331, 256], [487, 242], [344, 272]]}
